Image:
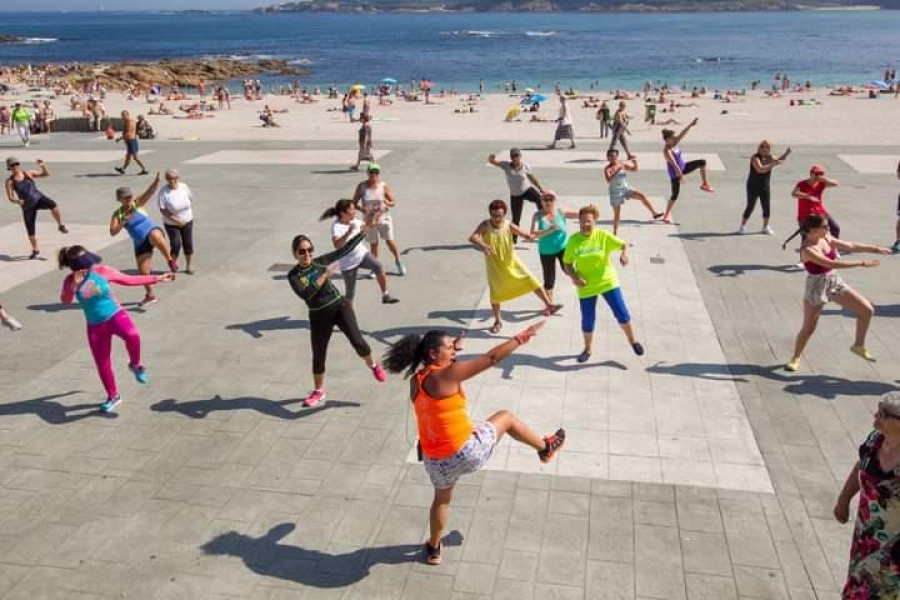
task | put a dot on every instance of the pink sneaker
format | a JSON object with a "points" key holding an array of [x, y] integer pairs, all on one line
{"points": [[314, 398], [379, 373], [707, 188]]}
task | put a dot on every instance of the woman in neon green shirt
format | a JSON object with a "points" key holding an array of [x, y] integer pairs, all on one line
{"points": [[587, 262]]}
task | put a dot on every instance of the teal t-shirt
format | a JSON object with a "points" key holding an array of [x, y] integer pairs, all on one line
{"points": [[590, 254], [552, 243]]}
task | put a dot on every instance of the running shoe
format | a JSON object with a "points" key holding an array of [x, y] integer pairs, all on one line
{"points": [[583, 357], [378, 372], [432, 554], [173, 266], [63, 229], [742, 230], [401, 268], [386, 298], [139, 372], [895, 249], [657, 216], [314, 398], [638, 348], [552, 445], [707, 188], [34, 254], [862, 352], [111, 403], [792, 365], [767, 230], [12, 324], [120, 170], [148, 300]]}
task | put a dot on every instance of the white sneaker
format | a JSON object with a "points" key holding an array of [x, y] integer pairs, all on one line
{"points": [[767, 230], [742, 230], [12, 324]]}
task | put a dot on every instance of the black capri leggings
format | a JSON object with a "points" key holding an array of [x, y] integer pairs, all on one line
{"points": [[29, 214], [321, 325], [549, 268], [688, 167], [181, 235], [754, 193], [516, 202]]}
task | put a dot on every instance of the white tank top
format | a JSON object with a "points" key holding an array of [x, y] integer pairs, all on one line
{"points": [[373, 200]]}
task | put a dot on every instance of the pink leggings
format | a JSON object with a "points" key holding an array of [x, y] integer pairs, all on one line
{"points": [[100, 340]]}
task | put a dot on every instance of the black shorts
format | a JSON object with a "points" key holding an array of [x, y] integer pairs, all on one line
{"points": [[29, 212], [145, 247]]}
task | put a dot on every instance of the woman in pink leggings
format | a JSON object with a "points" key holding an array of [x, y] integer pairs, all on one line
{"points": [[89, 283]]}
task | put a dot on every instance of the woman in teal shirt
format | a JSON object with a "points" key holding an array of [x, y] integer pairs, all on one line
{"points": [[549, 227]]}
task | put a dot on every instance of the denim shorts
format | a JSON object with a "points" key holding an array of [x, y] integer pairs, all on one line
{"points": [[471, 457]]}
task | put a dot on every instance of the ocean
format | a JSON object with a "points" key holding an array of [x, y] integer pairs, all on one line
{"points": [[619, 50]]}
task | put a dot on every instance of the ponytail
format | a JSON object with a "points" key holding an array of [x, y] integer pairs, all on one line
{"points": [[808, 224], [339, 207], [66, 254], [411, 351]]}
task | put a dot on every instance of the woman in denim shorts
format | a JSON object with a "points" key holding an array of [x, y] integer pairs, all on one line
{"points": [[450, 444]]}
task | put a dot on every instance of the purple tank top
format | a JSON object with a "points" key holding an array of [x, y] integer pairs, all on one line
{"points": [[676, 154]]}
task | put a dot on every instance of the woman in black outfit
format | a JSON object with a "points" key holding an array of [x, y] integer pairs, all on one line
{"points": [[311, 281], [761, 165]]}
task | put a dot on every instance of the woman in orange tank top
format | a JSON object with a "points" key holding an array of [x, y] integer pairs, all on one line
{"points": [[451, 445]]}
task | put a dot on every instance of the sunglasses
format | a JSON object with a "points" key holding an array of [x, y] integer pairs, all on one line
{"points": [[305, 250]]}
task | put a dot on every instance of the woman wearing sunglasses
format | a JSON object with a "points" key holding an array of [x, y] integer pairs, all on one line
{"points": [[875, 551], [311, 281], [824, 285]]}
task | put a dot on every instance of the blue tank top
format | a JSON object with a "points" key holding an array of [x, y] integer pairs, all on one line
{"points": [[138, 225], [96, 299], [553, 243]]}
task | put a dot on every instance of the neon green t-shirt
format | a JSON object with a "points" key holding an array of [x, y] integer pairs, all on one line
{"points": [[590, 255], [21, 115]]}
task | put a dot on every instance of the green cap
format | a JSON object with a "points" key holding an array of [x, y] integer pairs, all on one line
{"points": [[373, 167]]}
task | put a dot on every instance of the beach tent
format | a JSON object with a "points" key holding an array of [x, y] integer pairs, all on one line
{"points": [[512, 113], [389, 80]]}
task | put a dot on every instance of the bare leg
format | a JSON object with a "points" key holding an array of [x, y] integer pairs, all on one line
{"points": [[628, 330], [542, 294], [373, 248], [392, 246], [143, 265], [703, 175], [495, 308], [34, 243], [644, 200], [505, 421], [440, 507], [382, 281], [318, 380], [57, 216], [127, 161], [158, 241], [853, 301], [617, 215], [139, 162], [588, 341], [811, 314]]}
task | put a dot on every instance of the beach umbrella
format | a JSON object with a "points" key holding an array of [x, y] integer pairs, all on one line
{"points": [[389, 80], [529, 90], [881, 85], [358, 87], [538, 98], [512, 113]]}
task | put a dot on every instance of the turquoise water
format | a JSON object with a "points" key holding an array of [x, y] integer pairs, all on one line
{"points": [[456, 50]]}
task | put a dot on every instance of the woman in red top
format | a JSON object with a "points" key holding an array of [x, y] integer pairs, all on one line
{"points": [[450, 445], [823, 284], [810, 201]]}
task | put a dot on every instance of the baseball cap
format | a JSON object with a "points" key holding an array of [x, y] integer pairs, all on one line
{"points": [[11, 162], [817, 170], [373, 167], [515, 152], [123, 192]]}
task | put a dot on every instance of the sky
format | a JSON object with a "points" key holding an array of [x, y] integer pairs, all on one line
{"points": [[35, 5]]}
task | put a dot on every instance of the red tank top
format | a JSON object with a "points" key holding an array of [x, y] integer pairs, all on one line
{"points": [[816, 269]]}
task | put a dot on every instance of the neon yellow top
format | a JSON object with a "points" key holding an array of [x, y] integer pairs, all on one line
{"points": [[590, 255]]}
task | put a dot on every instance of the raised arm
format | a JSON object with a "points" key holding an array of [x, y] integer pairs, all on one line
{"points": [[149, 192], [830, 183], [492, 159], [684, 132], [340, 240], [630, 165], [42, 172], [448, 379]]}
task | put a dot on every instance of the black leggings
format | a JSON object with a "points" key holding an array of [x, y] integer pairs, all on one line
{"points": [[676, 182], [532, 195], [754, 193], [321, 325], [29, 215], [549, 268], [178, 235]]}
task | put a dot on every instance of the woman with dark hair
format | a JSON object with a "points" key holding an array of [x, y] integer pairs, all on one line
{"points": [[678, 168], [508, 278], [616, 174], [758, 184], [449, 443], [311, 281], [823, 284], [346, 225], [22, 190], [89, 283], [548, 227]]}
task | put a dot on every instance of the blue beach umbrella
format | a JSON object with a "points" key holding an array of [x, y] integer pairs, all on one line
{"points": [[389, 80], [880, 84], [536, 98]]}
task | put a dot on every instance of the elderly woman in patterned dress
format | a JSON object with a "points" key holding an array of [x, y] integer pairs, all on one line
{"points": [[874, 572]]}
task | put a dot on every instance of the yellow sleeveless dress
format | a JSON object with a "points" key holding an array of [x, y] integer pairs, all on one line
{"points": [[508, 278]]}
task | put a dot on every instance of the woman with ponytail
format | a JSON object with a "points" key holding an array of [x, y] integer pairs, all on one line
{"points": [[311, 281], [89, 284], [823, 284], [449, 443]]}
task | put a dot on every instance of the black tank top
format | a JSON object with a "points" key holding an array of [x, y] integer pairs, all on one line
{"points": [[27, 190], [755, 178]]}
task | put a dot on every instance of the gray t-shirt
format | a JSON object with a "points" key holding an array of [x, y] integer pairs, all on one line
{"points": [[517, 181]]}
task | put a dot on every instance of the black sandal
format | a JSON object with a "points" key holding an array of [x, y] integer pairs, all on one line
{"points": [[432, 555]]}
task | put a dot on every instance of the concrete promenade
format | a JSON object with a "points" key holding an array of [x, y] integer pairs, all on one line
{"points": [[701, 471]]}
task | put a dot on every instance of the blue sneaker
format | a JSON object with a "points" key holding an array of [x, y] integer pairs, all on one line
{"points": [[111, 403], [140, 373]]}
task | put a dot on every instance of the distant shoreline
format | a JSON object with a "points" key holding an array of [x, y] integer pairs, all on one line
{"points": [[538, 7]]}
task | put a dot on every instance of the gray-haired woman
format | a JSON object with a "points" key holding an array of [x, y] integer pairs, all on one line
{"points": [[175, 205]]}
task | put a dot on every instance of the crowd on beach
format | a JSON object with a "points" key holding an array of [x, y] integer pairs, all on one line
{"points": [[450, 444]]}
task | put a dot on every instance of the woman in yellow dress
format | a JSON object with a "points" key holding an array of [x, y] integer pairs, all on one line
{"points": [[508, 278]]}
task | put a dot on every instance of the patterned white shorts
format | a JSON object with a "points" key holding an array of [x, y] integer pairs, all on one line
{"points": [[823, 288], [472, 456]]}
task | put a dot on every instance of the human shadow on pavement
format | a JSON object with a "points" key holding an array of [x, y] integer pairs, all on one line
{"points": [[702, 236], [467, 316], [200, 409], [439, 248], [17, 258], [828, 387], [255, 329], [97, 175], [268, 557], [735, 270], [335, 171], [881, 310], [552, 363], [53, 308], [55, 413]]}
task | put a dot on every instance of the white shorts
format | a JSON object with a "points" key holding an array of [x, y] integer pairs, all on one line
{"points": [[381, 231], [472, 456]]}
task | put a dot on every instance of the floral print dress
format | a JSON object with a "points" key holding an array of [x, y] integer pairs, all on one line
{"points": [[874, 572]]}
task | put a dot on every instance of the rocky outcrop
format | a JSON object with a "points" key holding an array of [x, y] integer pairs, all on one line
{"points": [[7, 38]]}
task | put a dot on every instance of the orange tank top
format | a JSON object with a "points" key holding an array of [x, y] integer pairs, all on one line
{"points": [[444, 425]]}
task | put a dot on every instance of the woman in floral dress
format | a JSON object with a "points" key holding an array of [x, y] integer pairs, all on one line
{"points": [[874, 572]]}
